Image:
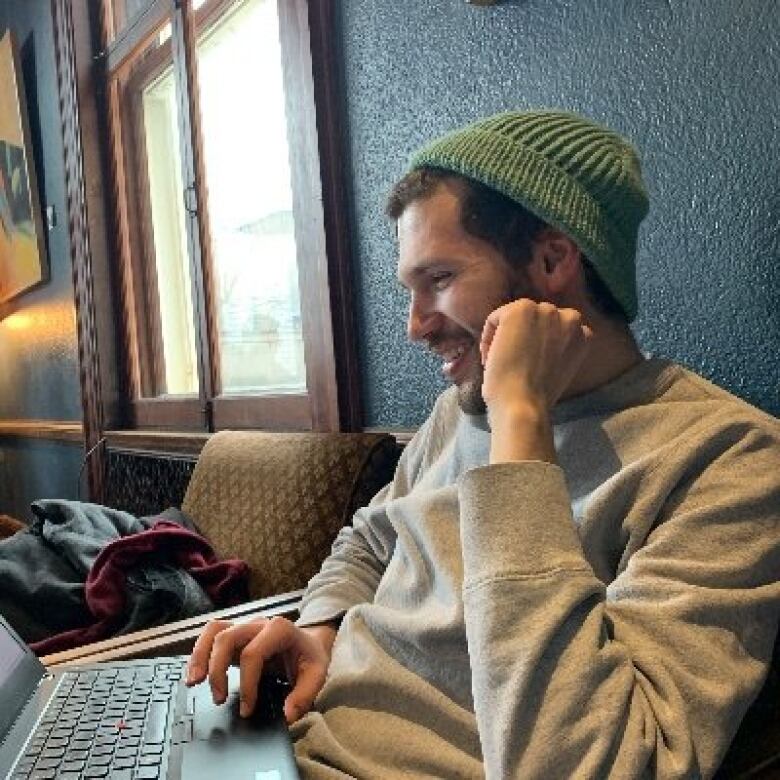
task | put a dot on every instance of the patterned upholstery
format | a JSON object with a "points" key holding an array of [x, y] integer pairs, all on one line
{"points": [[277, 500]]}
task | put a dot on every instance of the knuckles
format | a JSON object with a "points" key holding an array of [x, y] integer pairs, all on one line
{"points": [[281, 625], [540, 311], [217, 627]]}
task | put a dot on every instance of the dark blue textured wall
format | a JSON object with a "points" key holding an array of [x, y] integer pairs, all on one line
{"points": [[694, 83], [32, 469], [39, 374]]}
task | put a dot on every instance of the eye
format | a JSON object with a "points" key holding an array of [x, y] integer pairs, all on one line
{"points": [[440, 279]]}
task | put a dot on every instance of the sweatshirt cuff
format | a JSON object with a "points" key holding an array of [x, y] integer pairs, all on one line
{"points": [[321, 611], [516, 520]]}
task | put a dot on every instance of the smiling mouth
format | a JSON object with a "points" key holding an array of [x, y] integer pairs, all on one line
{"points": [[454, 359]]}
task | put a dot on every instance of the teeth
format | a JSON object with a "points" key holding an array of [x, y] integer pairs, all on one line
{"points": [[454, 354]]}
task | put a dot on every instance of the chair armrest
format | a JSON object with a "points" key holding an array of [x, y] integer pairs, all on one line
{"points": [[277, 500]]}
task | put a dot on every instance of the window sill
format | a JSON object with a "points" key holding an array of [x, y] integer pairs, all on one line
{"points": [[157, 442]]}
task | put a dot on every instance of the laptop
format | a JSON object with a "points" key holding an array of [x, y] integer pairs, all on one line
{"points": [[132, 719]]}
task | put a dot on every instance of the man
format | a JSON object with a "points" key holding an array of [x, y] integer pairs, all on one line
{"points": [[574, 571]]}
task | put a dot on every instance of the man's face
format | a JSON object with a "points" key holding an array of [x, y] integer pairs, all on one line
{"points": [[455, 280]]}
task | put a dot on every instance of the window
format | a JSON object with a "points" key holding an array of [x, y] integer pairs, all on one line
{"points": [[227, 293]]}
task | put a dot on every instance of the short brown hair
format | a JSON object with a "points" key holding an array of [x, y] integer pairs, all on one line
{"points": [[491, 216]]}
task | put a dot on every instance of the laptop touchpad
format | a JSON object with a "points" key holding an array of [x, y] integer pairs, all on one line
{"points": [[224, 745]]}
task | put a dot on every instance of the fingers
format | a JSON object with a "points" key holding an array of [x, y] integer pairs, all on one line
{"points": [[311, 678], [198, 664], [488, 331], [280, 637], [276, 637], [252, 645], [214, 651], [531, 351], [528, 311]]}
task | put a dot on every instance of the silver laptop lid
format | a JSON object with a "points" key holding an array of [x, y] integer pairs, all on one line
{"points": [[20, 674]]}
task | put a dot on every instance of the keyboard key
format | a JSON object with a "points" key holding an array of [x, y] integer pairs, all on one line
{"points": [[156, 723], [100, 760], [147, 772], [47, 763], [72, 766], [96, 771], [54, 751]]}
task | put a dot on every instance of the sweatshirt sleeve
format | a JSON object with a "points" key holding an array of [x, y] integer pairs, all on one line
{"points": [[361, 551], [648, 676]]}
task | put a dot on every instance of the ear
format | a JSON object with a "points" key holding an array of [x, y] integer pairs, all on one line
{"points": [[555, 263]]}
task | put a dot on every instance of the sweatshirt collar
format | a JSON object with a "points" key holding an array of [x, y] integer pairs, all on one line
{"points": [[641, 384]]}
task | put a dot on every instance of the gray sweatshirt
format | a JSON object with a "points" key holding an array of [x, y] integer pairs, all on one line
{"points": [[611, 617]]}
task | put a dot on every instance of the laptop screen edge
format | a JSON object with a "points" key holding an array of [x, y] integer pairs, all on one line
{"points": [[21, 682]]}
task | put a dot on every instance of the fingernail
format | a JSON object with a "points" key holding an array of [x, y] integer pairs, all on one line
{"points": [[192, 673], [217, 696], [243, 709]]}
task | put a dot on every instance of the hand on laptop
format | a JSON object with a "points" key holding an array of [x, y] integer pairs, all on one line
{"points": [[302, 653]]}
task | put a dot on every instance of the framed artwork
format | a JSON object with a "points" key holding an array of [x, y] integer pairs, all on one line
{"points": [[22, 249]]}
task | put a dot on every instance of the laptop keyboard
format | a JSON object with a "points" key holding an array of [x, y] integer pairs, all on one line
{"points": [[104, 724]]}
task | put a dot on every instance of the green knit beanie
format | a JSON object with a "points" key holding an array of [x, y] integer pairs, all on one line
{"points": [[578, 177]]}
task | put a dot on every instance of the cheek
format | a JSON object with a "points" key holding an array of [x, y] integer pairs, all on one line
{"points": [[473, 309]]}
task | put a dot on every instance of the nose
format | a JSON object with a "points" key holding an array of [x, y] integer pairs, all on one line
{"points": [[422, 319]]}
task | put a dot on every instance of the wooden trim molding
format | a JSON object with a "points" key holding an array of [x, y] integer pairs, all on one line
{"points": [[71, 21], [171, 412], [163, 443], [166, 443], [131, 38], [274, 412], [327, 81], [43, 429]]}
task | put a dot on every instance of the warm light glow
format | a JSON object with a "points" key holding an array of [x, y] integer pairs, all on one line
{"points": [[47, 323], [20, 320]]}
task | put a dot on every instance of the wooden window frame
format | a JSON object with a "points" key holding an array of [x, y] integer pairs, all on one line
{"points": [[331, 401]]}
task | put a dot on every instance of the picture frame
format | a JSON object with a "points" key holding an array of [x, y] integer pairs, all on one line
{"points": [[23, 261]]}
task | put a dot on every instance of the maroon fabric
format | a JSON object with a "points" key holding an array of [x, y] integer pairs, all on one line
{"points": [[225, 582]]}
